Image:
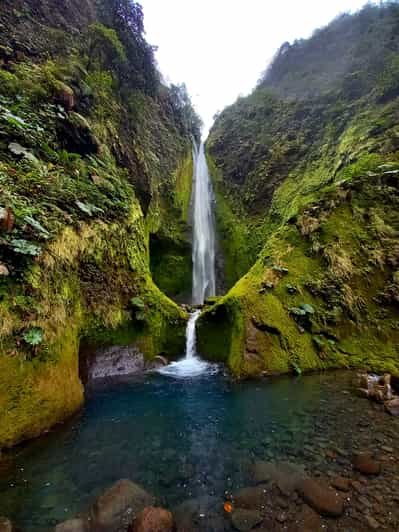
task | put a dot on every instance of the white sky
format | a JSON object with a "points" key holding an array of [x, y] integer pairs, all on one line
{"points": [[219, 48]]}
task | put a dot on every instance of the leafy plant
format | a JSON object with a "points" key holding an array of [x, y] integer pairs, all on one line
{"points": [[25, 248], [34, 336]]}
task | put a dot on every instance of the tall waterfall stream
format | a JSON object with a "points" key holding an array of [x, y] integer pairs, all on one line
{"points": [[204, 283]]}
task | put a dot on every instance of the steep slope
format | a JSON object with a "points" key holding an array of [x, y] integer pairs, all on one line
{"points": [[306, 171], [95, 159]]}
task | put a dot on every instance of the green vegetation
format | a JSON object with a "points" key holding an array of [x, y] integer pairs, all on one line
{"points": [[95, 167], [308, 166]]}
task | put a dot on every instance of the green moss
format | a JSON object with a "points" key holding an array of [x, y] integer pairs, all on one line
{"points": [[238, 237]]}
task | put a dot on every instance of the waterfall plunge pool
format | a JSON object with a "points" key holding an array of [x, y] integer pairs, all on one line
{"points": [[188, 438]]}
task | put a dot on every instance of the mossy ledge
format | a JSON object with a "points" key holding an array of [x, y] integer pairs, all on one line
{"points": [[307, 184], [95, 166]]}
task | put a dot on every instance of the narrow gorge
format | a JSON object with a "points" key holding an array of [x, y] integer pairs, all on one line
{"points": [[199, 332]]}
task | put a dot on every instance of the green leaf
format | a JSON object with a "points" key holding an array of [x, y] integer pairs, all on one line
{"points": [[307, 308], [88, 208], [34, 336], [25, 248], [137, 302], [297, 311], [36, 225]]}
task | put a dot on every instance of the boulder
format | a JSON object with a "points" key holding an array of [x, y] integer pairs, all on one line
{"points": [[392, 406], [322, 498], [157, 362], [64, 96], [286, 475], [366, 464], [197, 515], [153, 520], [307, 520], [244, 520], [118, 505], [341, 483], [252, 498], [72, 525]]}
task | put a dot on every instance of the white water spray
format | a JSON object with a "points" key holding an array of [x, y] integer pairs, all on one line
{"points": [[203, 266]]}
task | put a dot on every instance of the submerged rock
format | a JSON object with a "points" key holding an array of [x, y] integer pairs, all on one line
{"points": [[341, 483], [366, 464], [244, 520], [72, 525], [118, 505], [322, 498], [307, 520], [287, 476], [153, 520], [250, 498]]}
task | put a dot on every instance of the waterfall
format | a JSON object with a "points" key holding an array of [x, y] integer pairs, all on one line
{"points": [[203, 266], [203, 230]]}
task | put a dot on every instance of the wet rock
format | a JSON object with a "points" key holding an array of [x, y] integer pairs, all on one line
{"points": [[341, 483], [372, 523], [322, 498], [7, 219], [157, 362], [286, 475], [113, 362], [244, 520], [78, 135], [153, 520], [119, 504], [250, 498], [307, 520], [4, 270], [64, 96], [395, 383], [6, 525], [72, 525], [392, 406], [197, 515], [366, 464]]}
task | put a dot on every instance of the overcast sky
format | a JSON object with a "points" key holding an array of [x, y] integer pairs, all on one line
{"points": [[219, 48]]}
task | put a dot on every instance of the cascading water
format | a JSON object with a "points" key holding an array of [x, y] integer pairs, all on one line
{"points": [[204, 284], [204, 232]]}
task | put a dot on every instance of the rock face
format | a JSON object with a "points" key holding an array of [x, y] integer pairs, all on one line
{"points": [[118, 505], [261, 169], [113, 362], [366, 464], [153, 520], [321, 498]]}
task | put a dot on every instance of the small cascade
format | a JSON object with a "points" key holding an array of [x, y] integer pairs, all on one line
{"points": [[191, 365]]}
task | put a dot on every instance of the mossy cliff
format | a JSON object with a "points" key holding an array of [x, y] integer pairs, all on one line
{"points": [[306, 171], [95, 163]]}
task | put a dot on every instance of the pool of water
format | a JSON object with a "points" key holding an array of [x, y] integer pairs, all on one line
{"points": [[185, 438]]}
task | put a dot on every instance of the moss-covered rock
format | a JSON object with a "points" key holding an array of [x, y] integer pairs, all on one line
{"points": [[94, 164], [307, 187]]}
